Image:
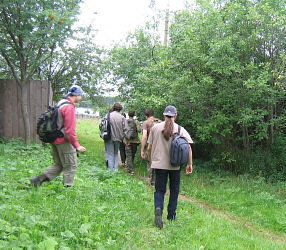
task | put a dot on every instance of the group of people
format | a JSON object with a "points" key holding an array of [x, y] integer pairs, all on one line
{"points": [[127, 147], [155, 148], [119, 142]]}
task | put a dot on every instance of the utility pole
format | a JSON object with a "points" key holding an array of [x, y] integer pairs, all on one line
{"points": [[166, 29]]}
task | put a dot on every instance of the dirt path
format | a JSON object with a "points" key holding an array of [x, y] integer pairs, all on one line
{"points": [[232, 218]]}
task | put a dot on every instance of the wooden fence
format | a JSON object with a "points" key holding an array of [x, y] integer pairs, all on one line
{"points": [[11, 119]]}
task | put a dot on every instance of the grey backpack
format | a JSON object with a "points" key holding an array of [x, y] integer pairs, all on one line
{"points": [[105, 128], [131, 133], [180, 148]]}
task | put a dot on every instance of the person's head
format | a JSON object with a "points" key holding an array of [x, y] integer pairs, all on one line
{"points": [[131, 113], [75, 93], [149, 113], [170, 114], [117, 107]]}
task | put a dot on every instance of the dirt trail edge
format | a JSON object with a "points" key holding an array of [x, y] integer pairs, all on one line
{"points": [[254, 228]]}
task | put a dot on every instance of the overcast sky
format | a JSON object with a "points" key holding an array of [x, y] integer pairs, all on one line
{"points": [[115, 18]]}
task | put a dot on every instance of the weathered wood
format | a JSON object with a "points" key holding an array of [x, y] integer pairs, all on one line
{"points": [[14, 108], [11, 118], [8, 98], [20, 116]]}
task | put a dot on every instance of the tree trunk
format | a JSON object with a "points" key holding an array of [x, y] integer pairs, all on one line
{"points": [[246, 144], [25, 110]]}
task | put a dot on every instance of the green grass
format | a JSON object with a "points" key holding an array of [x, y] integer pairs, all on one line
{"points": [[249, 198], [114, 210]]}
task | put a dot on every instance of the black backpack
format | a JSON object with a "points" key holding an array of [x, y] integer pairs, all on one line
{"points": [[180, 148], [131, 133], [47, 127], [105, 128]]}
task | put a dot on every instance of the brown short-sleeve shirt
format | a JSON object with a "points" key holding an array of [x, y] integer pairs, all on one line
{"points": [[149, 123], [160, 153]]}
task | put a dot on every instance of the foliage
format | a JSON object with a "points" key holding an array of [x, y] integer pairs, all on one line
{"points": [[29, 31], [76, 61], [223, 70], [129, 64], [114, 211]]}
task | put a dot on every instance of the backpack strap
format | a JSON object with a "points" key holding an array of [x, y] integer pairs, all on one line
{"points": [[179, 129], [67, 102], [108, 117], [64, 103]]}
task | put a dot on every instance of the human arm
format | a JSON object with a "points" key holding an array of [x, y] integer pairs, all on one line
{"points": [[69, 121], [189, 167], [143, 143], [149, 149]]}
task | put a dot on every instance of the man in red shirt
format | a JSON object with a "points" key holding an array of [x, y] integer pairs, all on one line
{"points": [[64, 150]]}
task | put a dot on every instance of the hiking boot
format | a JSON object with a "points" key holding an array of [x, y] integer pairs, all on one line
{"points": [[171, 217], [38, 180], [158, 217], [131, 172]]}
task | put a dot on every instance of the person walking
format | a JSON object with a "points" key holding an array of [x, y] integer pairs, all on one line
{"points": [[159, 145], [64, 150], [122, 150], [132, 143], [118, 129], [146, 127]]}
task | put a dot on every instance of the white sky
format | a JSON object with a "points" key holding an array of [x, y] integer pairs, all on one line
{"points": [[115, 18]]}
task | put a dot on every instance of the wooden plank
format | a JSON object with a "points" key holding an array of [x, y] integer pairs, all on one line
{"points": [[14, 114], [45, 96], [34, 100], [38, 108], [2, 94], [11, 118], [8, 100], [19, 112]]}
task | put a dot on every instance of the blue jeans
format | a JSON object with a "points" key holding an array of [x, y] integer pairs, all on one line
{"points": [[111, 154], [161, 178]]}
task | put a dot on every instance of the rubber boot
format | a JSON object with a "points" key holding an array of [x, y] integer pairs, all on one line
{"points": [[158, 217], [38, 180]]}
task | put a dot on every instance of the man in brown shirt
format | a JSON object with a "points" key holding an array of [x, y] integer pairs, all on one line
{"points": [[146, 127]]}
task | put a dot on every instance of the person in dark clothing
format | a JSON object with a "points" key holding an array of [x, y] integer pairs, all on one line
{"points": [[131, 144]]}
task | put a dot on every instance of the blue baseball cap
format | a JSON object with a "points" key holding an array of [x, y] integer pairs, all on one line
{"points": [[75, 90]]}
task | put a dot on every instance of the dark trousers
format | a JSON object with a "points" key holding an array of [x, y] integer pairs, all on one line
{"points": [[122, 152], [161, 178]]}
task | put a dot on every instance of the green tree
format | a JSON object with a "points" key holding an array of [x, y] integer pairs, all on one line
{"points": [[29, 31], [224, 69], [77, 61]]}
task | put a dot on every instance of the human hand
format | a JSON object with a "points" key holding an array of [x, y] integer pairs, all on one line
{"points": [[143, 155], [189, 169], [81, 149]]}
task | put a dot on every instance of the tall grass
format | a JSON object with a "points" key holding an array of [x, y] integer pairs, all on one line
{"points": [[103, 210]]}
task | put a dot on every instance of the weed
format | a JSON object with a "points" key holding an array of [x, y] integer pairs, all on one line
{"points": [[107, 210]]}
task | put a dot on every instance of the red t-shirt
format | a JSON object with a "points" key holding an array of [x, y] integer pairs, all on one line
{"points": [[69, 121]]}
